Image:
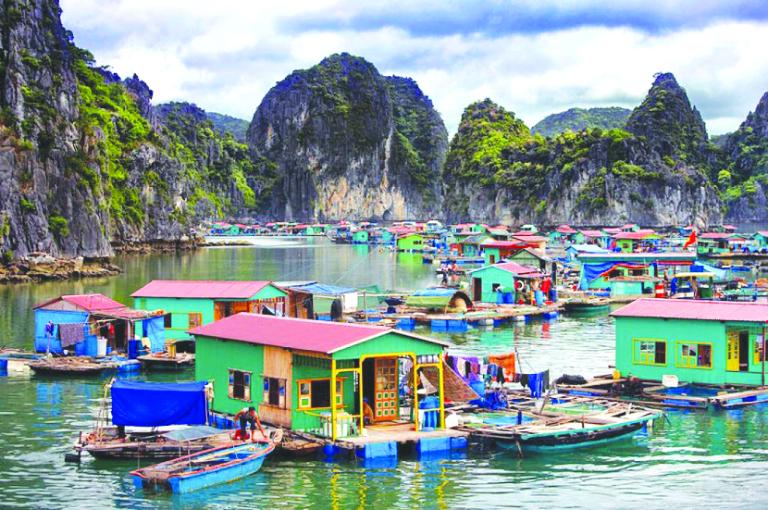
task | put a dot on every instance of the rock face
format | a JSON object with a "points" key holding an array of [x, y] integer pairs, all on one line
{"points": [[577, 119], [654, 173], [86, 161], [744, 178], [340, 141]]}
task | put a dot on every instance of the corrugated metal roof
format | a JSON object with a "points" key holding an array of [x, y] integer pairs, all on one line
{"points": [[715, 235], [201, 289], [88, 302], [650, 257], [298, 334], [516, 269], [695, 310]]}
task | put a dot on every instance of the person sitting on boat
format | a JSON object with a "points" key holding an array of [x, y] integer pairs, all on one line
{"points": [[367, 412], [248, 415]]}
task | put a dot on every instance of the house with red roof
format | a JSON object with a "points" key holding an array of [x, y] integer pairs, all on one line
{"points": [[74, 323], [630, 241], [305, 374], [190, 303], [697, 341]]}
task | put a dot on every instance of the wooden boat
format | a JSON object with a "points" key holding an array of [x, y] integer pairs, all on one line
{"points": [[568, 431], [74, 366], [204, 469], [165, 361], [587, 304], [107, 443]]}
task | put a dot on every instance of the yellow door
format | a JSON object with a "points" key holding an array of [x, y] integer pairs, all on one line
{"points": [[386, 402], [732, 360]]}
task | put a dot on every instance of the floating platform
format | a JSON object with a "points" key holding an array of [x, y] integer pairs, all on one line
{"points": [[684, 396]]}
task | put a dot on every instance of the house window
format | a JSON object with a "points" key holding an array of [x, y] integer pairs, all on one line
{"points": [[649, 351], [240, 385], [694, 355], [195, 319], [316, 393], [274, 392], [168, 321]]}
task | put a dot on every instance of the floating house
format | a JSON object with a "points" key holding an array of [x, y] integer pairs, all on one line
{"points": [[410, 242], [596, 237], [190, 303], [629, 241], [629, 274], [487, 282], [311, 300], [709, 342], [761, 239], [315, 376], [532, 258], [78, 321], [360, 237]]}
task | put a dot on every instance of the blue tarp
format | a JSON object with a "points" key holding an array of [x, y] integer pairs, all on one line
{"points": [[154, 329], [591, 272], [42, 317], [321, 288], [145, 404]]}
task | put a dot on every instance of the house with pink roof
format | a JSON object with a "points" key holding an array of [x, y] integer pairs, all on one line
{"points": [[318, 377]]}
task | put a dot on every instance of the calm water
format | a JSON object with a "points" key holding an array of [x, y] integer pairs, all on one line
{"points": [[696, 460]]}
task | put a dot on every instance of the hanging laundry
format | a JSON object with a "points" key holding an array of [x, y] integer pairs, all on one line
{"points": [[507, 362], [537, 382], [70, 334]]}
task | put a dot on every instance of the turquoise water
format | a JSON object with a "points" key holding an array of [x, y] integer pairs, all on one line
{"points": [[695, 460]]}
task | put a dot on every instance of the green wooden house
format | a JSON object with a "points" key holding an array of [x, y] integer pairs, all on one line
{"points": [[707, 342], [190, 303], [360, 237], [410, 242], [285, 367], [761, 239], [629, 241], [487, 282]]}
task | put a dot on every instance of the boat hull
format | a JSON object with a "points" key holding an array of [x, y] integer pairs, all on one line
{"points": [[586, 439], [174, 475]]}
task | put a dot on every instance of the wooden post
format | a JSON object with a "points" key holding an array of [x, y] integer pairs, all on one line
{"points": [[441, 389], [333, 399], [360, 391], [415, 393]]}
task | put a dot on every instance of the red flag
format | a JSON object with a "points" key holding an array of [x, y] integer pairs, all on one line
{"points": [[691, 239]]}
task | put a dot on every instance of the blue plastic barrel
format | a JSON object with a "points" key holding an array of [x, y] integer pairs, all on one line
{"points": [[3, 367], [133, 348], [80, 348], [91, 346]]}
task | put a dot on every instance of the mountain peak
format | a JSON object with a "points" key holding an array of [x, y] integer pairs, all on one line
{"points": [[672, 127]]}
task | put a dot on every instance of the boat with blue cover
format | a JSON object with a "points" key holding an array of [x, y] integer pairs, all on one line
{"points": [[204, 469]]}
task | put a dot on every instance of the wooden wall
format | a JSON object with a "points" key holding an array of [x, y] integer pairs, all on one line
{"points": [[278, 363]]}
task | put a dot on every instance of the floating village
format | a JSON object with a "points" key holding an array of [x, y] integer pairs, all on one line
{"points": [[311, 370]]}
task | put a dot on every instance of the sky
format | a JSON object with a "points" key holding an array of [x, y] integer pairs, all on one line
{"points": [[534, 57]]}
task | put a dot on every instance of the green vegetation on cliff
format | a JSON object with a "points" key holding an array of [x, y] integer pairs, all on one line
{"points": [[578, 119]]}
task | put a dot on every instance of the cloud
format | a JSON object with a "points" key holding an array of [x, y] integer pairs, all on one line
{"points": [[225, 56]]}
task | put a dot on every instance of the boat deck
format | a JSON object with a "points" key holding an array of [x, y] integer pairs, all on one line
{"points": [[399, 433]]}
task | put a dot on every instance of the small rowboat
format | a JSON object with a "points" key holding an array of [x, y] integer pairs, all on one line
{"points": [[76, 366], [204, 469]]}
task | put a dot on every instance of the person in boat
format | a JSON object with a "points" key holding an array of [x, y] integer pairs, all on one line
{"points": [[248, 415], [367, 412]]}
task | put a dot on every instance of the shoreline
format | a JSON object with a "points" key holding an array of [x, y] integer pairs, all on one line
{"points": [[42, 267]]}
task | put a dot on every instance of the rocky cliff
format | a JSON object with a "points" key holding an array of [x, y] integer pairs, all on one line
{"points": [[86, 162], [577, 119], [743, 175], [653, 173], [340, 141]]}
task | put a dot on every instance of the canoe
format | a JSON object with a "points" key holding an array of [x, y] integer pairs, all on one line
{"points": [[204, 469], [77, 366]]}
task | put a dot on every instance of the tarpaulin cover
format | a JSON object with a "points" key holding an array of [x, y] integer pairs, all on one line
{"points": [[192, 433], [591, 272], [321, 288], [154, 329], [148, 404]]}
